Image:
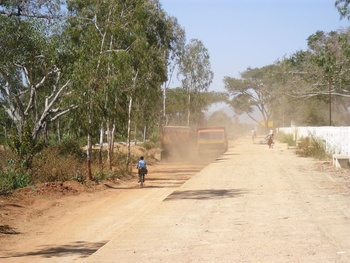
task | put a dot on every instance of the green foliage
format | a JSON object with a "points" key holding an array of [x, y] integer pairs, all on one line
{"points": [[343, 8], [102, 175], [314, 116], [12, 178], [175, 110], [79, 177], [25, 147], [311, 147], [3, 124], [309, 88], [149, 145], [71, 147], [286, 138], [197, 75], [122, 53]]}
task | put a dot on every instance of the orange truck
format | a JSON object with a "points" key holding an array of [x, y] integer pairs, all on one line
{"points": [[212, 140]]}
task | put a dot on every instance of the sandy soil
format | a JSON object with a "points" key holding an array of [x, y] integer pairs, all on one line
{"points": [[252, 204], [64, 222]]}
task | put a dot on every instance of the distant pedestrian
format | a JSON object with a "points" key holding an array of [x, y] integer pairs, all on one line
{"points": [[270, 138], [253, 135]]}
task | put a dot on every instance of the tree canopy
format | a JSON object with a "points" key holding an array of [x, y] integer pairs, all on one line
{"points": [[309, 87], [81, 69]]}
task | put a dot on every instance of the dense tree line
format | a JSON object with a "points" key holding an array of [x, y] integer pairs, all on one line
{"points": [[95, 71], [82, 70]]}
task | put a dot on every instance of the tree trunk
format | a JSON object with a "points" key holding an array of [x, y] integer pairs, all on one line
{"points": [[164, 107], [188, 109], [128, 162], [330, 99], [110, 139], [88, 157], [135, 134], [100, 154], [58, 132]]}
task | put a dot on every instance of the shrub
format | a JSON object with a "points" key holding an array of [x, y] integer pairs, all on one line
{"points": [[311, 147], [6, 185], [149, 145], [72, 147], [50, 165], [25, 147], [12, 178], [79, 177], [102, 175], [286, 138]]}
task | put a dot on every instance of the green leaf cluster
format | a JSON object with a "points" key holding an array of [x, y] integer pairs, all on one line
{"points": [[25, 147]]}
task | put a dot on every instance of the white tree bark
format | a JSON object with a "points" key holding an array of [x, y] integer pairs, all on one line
{"points": [[18, 106], [101, 147]]}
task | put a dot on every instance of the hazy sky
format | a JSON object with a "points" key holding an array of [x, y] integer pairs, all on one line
{"points": [[251, 33]]}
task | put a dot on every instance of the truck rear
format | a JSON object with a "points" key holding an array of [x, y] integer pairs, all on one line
{"points": [[175, 142], [212, 140]]}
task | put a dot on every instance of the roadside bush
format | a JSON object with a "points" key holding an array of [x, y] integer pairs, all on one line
{"points": [[25, 147], [149, 145], [311, 147], [80, 177], [51, 165], [102, 175], [72, 147], [286, 138], [6, 185], [5, 155], [12, 178], [64, 162]]}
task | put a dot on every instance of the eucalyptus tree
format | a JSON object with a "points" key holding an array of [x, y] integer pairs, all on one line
{"points": [[119, 48], [177, 98], [100, 43], [41, 9], [173, 54], [343, 8], [176, 112], [155, 38], [197, 75], [330, 55], [32, 83]]}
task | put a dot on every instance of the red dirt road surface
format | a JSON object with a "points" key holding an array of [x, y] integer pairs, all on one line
{"points": [[252, 204]]}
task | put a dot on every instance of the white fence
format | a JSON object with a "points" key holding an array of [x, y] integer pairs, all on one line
{"points": [[336, 139]]}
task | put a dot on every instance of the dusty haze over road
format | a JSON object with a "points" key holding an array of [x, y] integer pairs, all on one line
{"points": [[252, 204]]}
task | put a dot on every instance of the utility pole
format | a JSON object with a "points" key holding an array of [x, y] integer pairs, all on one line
{"points": [[330, 99]]}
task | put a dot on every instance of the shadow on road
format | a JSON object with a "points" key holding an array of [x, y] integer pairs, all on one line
{"points": [[182, 171], [83, 249], [13, 205], [205, 194], [8, 230]]}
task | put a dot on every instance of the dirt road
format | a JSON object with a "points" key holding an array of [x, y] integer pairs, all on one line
{"points": [[253, 204]]}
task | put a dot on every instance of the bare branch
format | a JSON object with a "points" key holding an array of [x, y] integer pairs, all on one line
{"points": [[313, 94], [63, 112], [115, 50]]}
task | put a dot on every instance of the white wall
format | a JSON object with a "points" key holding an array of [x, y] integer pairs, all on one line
{"points": [[336, 139]]}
